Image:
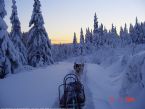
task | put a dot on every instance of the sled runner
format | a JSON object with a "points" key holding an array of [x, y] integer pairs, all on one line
{"points": [[71, 93]]}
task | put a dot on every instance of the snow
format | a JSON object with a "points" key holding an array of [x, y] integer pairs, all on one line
{"points": [[98, 86], [34, 88], [39, 87], [114, 64]]}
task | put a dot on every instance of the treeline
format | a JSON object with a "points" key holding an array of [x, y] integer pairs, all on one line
{"points": [[100, 37]]}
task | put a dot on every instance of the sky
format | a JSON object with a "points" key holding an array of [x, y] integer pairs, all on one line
{"points": [[64, 17]]}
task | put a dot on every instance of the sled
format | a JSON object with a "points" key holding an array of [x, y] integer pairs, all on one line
{"points": [[71, 93]]}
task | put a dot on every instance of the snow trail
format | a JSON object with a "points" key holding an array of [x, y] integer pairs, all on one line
{"points": [[99, 83], [39, 88], [35, 88], [89, 104]]}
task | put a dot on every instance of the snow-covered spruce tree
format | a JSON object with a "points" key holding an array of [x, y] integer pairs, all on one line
{"points": [[25, 38], [128, 38], [38, 43], [124, 36], [131, 33], [88, 39], [100, 38], [137, 33], [9, 58], [16, 35], [82, 42], [91, 37], [142, 33], [113, 37], [106, 38], [75, 45], [143, 30], [96, 31]]}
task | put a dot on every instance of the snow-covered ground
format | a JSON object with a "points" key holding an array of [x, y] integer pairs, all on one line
{"points": [[38, 88], [34, 88], [104, 83]]}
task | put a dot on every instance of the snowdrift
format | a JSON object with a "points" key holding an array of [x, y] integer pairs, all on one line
{"points": [[134, 79]]}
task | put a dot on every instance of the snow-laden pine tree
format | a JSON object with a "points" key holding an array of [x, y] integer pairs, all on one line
{"points": [[75, 39], [113, 37], [132, 33], [38, 43], [82, 42], [75, 45], [143, 32], [16, 35], [142, 35], [124, 35], [106, 38], [101, 36], [9, 58], [137, 33], [25, 38], [96, 31], [91, 37], [88, 38]]}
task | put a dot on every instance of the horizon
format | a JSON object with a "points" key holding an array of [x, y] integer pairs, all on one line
{"points": [[63, 18]]}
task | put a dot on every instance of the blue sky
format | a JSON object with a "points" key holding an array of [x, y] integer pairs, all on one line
{"points": [[64, 17]]}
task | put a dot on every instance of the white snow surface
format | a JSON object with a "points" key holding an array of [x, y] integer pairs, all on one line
{"points": [[33, 89], [38, 88]]}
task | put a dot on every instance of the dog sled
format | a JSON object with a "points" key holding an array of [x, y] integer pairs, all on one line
{"points": [[71, 93]]}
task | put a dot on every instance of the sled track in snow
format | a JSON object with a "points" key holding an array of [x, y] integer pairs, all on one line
{"points": [[89, 104], [89, 101]]}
